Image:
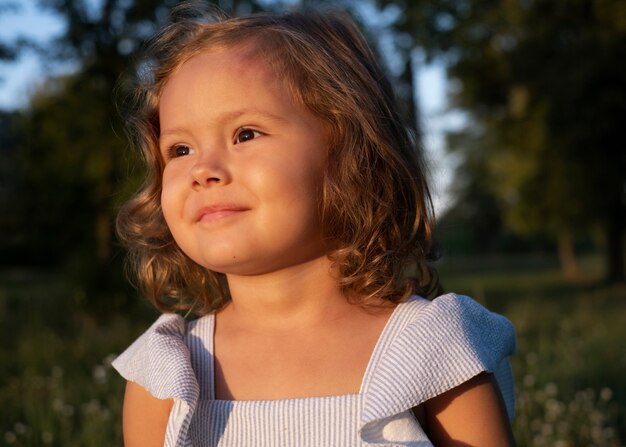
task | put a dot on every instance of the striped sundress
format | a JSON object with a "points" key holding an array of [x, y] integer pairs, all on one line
{"points": [[426, 348]]}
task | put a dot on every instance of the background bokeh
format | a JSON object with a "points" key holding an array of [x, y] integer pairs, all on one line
{"points": [[532, 224]]}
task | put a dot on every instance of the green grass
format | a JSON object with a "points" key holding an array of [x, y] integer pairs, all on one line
{"points": [[57, 387], [570, 366]]}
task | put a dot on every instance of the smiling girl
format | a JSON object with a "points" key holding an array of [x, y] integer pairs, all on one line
{"points": [[284, 202]]}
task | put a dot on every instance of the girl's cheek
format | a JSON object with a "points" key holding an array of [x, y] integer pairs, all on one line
{"points": [[171, 175]]}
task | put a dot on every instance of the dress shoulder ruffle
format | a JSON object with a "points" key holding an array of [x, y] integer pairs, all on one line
{"points": [[160, 361], [435, 346]]}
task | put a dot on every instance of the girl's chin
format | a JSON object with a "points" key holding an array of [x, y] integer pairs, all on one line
{"points": [[250, 269]]}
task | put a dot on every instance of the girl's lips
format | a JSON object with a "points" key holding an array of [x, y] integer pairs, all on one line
{"points": [[213, 213]]}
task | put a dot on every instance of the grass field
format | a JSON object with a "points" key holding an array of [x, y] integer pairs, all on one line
{"points": [[570, 367], [57, 387]]}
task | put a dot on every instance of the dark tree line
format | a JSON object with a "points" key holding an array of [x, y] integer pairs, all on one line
{"points": [[542, 82]]}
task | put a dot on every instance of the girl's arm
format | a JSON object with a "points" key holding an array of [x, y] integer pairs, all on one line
{"points": [[144, 417], [472, 414]]}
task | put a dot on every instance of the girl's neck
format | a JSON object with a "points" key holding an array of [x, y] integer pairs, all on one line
{"points": [[302, 295]]}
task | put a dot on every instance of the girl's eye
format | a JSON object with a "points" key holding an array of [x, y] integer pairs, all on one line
{"points": [[179, 151], [244, 135]]}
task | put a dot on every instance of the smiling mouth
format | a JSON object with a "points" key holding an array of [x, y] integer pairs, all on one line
{"points": [[212, 214]]}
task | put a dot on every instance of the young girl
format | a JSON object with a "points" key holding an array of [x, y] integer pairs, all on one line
{"points": [[284, 203]]}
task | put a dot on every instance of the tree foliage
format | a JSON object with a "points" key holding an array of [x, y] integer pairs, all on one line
{"points": [[544, 82], [73, 163], [8, 50]]}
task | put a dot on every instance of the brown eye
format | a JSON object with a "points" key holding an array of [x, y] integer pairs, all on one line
{"points": [[179, 151], [246, 135]]}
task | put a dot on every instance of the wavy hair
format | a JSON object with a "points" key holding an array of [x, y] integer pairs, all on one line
{"points": [[376, 211]]}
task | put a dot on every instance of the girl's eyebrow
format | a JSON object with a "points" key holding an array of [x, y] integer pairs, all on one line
{"points": [[254, 112], [230, 116]]}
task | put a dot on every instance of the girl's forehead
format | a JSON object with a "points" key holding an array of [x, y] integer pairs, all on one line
{"points": [[224, 78], [250, 50], [248, 57], [247, 54]]}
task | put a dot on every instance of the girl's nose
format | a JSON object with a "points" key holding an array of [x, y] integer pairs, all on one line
{"points": [[207, 172]]}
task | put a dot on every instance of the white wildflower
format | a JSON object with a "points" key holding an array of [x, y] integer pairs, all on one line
{"points": [[58, 404], [57, 372], [606, 394], [551, 389], [99, 374], [68, 410], [10, 437], [529, 380], [47, 437]]}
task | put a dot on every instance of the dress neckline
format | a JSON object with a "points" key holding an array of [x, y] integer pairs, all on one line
{"points": [[383, 339]]}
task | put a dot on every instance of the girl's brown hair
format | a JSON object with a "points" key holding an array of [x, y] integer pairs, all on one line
{"points": [[376, 206]]}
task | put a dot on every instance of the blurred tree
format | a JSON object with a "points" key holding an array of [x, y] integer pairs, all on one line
{"points": [[544, 82], [476, 216], [72, 160], [9, 179], [74, 168], [9, 136], [8, 50]]}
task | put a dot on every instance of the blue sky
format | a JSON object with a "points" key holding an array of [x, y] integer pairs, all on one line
{"points": [[19, 79]]}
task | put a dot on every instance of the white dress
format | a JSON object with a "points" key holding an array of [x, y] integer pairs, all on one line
{"points": [[425, 349]]}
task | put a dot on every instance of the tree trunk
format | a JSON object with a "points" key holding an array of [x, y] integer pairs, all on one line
{"points": [[104, 227], [567, 256], [103, 236], [412, 99], [615, 244]]}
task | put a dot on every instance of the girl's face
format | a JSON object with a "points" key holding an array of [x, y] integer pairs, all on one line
{"points": [[244, 164]]}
